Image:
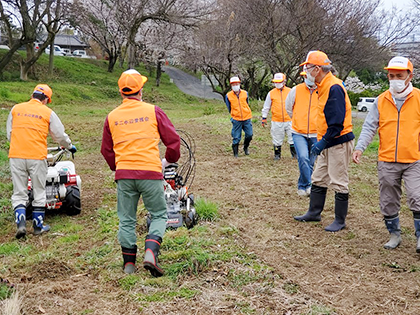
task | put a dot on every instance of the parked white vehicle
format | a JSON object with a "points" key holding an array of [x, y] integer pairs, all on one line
{"points": [[365, 104], [57, 51], [80, 53]]}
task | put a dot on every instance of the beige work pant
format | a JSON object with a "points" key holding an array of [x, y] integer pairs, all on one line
{"points": [[21, 169], [331, 168]]}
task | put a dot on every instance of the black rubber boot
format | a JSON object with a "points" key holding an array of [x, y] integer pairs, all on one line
{"points": [[341, 209], [20, 216], [152, 246], [246, 145], [316, 205], [38, 215], [277, 152], [392, 224], [293, 151], [235, 148], [129, 258]]}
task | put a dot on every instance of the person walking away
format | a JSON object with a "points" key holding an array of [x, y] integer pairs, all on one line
{"points": [[335, 142], [395, 115], [281, 123], [237, 103], [28, 126], [302, 106], [130, 139]]}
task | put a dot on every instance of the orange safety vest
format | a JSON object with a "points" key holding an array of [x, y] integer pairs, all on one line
{"points": [[135, 135], [323, 93], [399, 132], [278, 104], [305, 110], [239, 108], [30, 127]]}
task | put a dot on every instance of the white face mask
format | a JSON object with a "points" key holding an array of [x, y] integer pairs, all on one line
{"points": [[309, 83], [310, 77], [279, 85], [397, 86], [236, 88]]}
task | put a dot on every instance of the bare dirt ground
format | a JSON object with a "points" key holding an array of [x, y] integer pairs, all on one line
{"points": [[348, 271]]}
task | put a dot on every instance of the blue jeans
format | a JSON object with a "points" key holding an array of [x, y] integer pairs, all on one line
{"points": [[237, 127], [306, 160]]}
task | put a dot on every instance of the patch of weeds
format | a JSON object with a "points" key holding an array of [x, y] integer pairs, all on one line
{"points": [[8, 249], [108, 221], [395, 266], [5, 291], [245, 308], [228, 230], [209, 110], [349, 236], [414, 268], [128, 282], [68, 239], [87, 312], [206, 210], [182, 293], [321, 310], [291, 288], [240, 279], [98, 255], [406, 231], [64, 226]]}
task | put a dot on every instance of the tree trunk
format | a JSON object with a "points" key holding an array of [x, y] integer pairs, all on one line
{"points": [[9, 55], [112, 62], [158, 71], [51, 58]]}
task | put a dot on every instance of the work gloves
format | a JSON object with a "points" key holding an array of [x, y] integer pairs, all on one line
{"points": [[264, 122], [319, 146], [73, 149]]}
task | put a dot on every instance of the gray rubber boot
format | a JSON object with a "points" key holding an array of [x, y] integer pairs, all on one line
{"points": [[417, 228], [277, 152], [20, 216], [247, 141], [152, 246], [393, 226], [316, 205], [341, 209], [235, 148], [129, 258]]}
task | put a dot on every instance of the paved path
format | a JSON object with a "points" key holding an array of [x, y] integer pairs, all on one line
{"points": [[190, 84]]}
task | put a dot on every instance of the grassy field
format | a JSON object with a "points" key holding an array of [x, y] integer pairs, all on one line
{"points": [[246, 256]]}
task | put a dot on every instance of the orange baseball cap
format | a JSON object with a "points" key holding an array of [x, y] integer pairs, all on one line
{"points": [[399, 63], [44, 89], [316, 57], [131, 81], [278, 78]]}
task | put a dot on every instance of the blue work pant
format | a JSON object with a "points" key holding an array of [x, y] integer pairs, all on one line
{"points": [[306, 160], [238, 126]]}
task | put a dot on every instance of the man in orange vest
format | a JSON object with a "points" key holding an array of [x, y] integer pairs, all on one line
{"points": [[130, 140], [395, 115], [302, 107], [238, 106], [28, 126], [281, 123], [335, 142]]}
